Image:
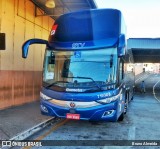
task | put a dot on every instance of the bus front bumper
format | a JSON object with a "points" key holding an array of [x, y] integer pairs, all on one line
{"points": [[107, 112]]}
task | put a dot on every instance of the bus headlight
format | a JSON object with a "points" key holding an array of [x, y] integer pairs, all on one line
{"points": [[109, 100], [43, 96]]}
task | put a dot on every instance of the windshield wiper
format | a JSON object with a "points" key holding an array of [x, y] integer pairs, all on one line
{"points": [[86, 78], [108, 84], [48, 86]]}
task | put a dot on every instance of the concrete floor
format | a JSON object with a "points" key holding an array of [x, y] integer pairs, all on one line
{"points": [[142, 122], [18, 119], [150, 80]]}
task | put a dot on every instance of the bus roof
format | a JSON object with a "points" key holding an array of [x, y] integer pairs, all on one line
{"points": [[89, 29]]}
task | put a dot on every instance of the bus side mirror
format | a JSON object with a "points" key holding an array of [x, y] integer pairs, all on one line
{"points": [[28, 43], [121, 45]]}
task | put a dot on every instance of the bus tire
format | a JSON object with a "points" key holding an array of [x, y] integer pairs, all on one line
{"points": [[133, 93], [120, 119], [126, 103]]}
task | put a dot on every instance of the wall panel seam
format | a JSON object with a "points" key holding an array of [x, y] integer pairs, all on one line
{"points": [[28, 19]]}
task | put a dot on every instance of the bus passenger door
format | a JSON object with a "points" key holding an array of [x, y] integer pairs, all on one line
{"points": [[121, 85]]}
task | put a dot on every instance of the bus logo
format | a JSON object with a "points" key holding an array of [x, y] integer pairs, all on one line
{"points": [[78, 45], [74, 90], [72, 104], [54, 29]]}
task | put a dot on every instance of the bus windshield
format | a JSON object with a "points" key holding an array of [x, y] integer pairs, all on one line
{"points": [[80, 68]]}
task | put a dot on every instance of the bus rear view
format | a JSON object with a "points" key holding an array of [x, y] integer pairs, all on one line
{"points": [[83, 73]]}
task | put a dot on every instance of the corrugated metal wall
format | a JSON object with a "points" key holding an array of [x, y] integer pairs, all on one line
{"points": [[143, 43], [20, 79]]}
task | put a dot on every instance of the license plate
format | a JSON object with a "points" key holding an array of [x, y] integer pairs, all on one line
{"points": [[73, 116]]}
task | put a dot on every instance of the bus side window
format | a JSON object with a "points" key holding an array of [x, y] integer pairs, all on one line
{"points": [[121, 71], [50, 66]]}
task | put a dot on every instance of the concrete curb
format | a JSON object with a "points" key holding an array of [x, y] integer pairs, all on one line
{"points": [[24, 135], [31, 131]]}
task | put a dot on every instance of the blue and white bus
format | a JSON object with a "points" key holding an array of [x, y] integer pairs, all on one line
{"points": [[84, 73]]}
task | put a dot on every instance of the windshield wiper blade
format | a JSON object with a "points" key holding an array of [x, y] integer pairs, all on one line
{"points": [[81, 78], [86, 78], [48, 86], [109, 84]]}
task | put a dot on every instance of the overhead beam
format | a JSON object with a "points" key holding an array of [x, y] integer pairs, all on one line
{"points": [[146, 55], [62, 6]]}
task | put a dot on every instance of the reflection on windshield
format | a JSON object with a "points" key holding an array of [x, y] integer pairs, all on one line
{"points": [[92, 68]]}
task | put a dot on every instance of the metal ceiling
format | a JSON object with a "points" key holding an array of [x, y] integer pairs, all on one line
{"points": [[145, 50], [63, 6]]}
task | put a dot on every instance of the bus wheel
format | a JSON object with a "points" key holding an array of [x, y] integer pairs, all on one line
{"points": [[121, 117], [125, 108], [126, 105]]}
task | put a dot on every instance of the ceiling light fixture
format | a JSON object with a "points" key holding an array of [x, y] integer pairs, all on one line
{"points": [[50, 4]]}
